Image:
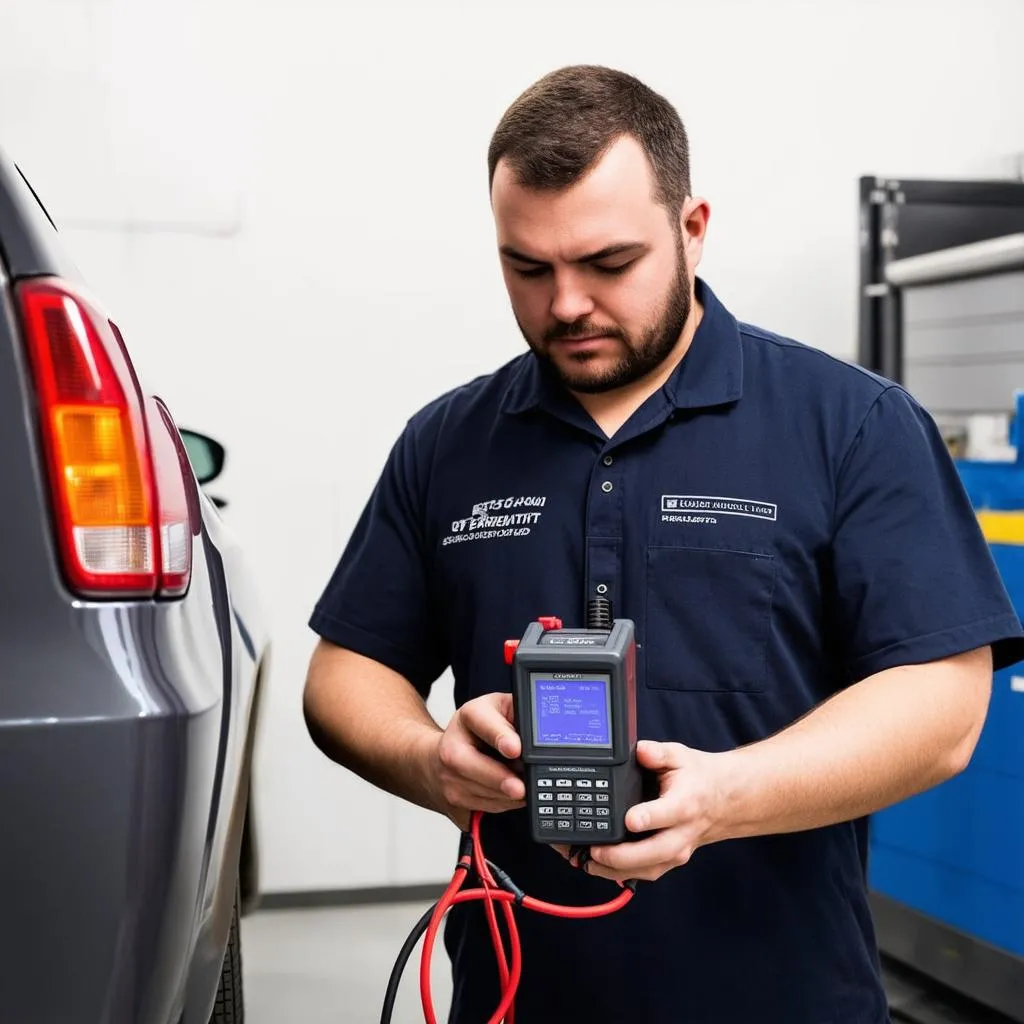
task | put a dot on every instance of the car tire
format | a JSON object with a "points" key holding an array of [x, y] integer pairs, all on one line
{"points": [[230, 1005]]}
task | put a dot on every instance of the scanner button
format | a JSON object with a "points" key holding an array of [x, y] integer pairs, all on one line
{"points": [[546, 797], [545, 810], [584, 798], [585, 812], [583, 784], [602, 798], [565, 825], [547, 826], [563, 783], [584, 825], [564, 812], [565, 798], [603, 812], [544, 783], [601, 783], [603, 826]]}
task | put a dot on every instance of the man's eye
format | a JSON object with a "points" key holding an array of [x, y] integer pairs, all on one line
{"points": [[619, 269], [532, 272]]}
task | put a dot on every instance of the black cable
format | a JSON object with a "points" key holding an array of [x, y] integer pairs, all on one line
{"points": [[403, 958], [579, 856], [465, 857]]}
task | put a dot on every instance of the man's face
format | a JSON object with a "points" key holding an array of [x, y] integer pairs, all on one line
{"points": [[597, 274]]}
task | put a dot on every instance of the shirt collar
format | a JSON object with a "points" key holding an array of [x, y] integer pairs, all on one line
{"points": [[710, 374]]}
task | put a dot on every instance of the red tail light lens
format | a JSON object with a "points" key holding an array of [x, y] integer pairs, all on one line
{"points": [[179, 519], [177, 502], [109, 511]]}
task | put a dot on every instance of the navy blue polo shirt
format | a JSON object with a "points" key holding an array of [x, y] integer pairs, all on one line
{"points": [[780, 525]]}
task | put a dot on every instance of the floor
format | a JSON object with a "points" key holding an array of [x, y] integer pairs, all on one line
{"points": [[330, 966]]}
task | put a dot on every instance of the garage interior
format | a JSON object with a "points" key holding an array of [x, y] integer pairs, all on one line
{"points": [[286, 203]]}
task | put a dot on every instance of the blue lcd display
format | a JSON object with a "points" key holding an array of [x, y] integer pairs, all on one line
{"points": [[571, 712]]}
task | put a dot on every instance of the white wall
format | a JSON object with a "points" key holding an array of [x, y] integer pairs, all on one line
{"points": [[285, 206]]}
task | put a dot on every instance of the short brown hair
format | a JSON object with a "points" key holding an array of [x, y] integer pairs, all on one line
{"points": [[562, 124]]}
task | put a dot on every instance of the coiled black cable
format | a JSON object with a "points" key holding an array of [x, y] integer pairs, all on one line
{"points": [[599, 613]]}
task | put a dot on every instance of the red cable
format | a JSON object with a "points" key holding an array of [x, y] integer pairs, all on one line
{"points": [[490, 887], [489, 893], [443, 904]]}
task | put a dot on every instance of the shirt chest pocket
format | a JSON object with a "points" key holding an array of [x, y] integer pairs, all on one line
{"points": [[708, 619]]}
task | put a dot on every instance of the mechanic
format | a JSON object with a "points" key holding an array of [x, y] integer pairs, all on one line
{"points": [[818, 614]]}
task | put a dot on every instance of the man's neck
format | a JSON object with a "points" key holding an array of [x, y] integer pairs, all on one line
{"points": [[611, 409]]}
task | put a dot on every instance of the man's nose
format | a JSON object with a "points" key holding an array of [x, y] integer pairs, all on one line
{"points": [[571, 300]]}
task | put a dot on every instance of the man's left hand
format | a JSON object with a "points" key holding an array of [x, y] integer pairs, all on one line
{"points": [[682, 818]]}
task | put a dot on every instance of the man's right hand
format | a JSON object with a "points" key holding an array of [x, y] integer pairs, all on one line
{"points": [[465, 775]]}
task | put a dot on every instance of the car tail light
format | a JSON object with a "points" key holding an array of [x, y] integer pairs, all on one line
{"points": [[117, 506], [177, 511]]}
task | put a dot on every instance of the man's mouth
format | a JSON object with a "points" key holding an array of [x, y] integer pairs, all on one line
{"points": [[587, 339]]}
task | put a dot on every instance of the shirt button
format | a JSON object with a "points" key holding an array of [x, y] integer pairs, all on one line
{"points": [[608, 460], [606, 486]]}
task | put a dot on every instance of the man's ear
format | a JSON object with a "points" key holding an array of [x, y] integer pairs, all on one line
{"points": [[693, 225]]}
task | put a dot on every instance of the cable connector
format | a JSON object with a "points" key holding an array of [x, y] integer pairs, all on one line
{"points": [[506, 883], [466, 847], [579, 856]]}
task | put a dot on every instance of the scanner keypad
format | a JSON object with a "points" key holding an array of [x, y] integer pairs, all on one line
{"points": [[573, 807]]}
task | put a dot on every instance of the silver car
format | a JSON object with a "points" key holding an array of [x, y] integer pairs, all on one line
{"points": [[133, 650]]}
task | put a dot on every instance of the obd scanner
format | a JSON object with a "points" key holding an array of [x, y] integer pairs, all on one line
{"points": [[574, 698], [574, 695]]}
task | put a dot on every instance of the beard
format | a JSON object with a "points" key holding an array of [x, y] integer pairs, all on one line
{"points": [[643, 354]]}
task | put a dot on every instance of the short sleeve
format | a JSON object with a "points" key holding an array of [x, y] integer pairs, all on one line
{"points": [[913, 575], [378, 599]]}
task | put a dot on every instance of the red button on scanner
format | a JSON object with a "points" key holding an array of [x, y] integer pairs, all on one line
{"points": [[550, 622], [510, 651]]}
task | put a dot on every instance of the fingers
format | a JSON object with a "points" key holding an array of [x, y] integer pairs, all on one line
{"points": [[462, 760], [489, 718], [473, 779], [460, 795], [655, 814], [646, 860], [668, 846], [682, 784], [660, 756], [482, 799], [651, 873]]}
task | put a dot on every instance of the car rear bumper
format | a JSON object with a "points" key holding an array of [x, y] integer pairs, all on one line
{"points": [[104, 833]]}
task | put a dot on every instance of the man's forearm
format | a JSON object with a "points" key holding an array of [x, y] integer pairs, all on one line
{"points": [[370, 720], [876, 743]]}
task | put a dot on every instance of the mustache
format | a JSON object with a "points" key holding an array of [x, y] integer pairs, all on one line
{"points": [[579, 329]]}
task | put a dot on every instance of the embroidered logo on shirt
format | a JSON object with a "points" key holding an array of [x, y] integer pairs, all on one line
{"points": [[497, 517], [696, 508]]}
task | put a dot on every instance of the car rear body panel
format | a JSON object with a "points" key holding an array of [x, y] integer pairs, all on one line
{"points": [[125, 741]]}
